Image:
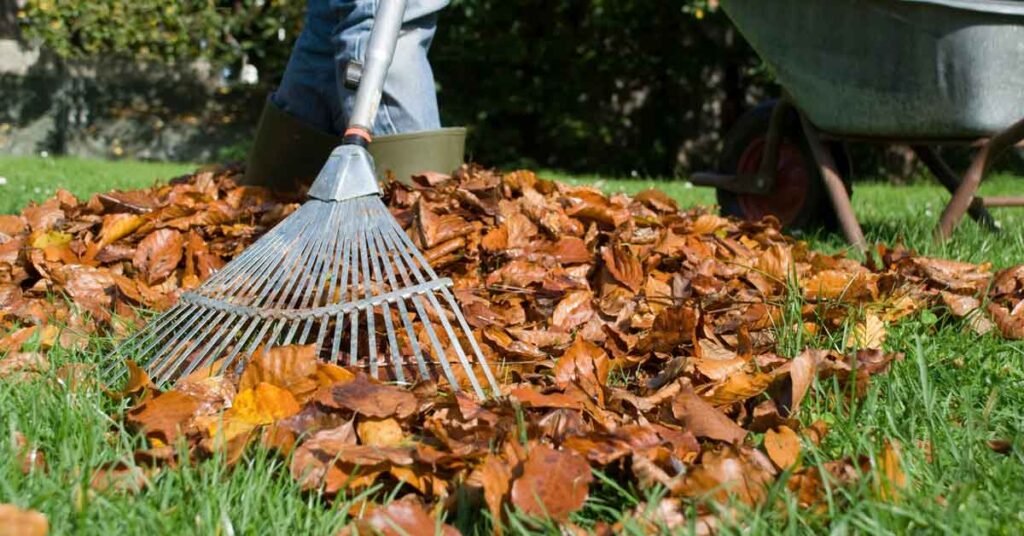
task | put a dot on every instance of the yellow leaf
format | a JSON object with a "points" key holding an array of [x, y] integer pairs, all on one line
{"points": [[118, 226], [263, 404], [329, 374], [869, 334], [380, 432], [891, 478], [41, 240]]}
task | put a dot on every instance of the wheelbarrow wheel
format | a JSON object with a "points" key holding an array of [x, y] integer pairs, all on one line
{"points": [[798, 199]]}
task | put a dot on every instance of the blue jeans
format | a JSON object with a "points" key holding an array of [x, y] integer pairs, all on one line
{"points": [[336, 31]]}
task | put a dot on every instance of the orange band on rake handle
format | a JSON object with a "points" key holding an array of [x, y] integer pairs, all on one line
{"points": [[357, 136]]}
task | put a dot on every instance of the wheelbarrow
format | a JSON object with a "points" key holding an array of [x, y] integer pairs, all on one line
{"points": [[923, 73]]}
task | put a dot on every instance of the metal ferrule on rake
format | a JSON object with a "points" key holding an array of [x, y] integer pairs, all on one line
{"points": [[339, 273]]}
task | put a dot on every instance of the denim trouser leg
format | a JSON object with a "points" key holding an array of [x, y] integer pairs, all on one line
{"points": [[335, 31]]}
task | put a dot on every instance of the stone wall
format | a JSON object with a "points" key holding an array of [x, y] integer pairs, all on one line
{"points": [[119, 108]]}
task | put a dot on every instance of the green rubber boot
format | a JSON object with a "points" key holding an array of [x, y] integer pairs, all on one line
{"points": [[287, 153]]}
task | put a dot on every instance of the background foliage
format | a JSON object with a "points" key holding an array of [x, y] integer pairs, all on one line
{"points": [[597, 85]]}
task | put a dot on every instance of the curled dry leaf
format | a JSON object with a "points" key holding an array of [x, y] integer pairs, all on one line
{"points": [[553, 485], [704, 420]]}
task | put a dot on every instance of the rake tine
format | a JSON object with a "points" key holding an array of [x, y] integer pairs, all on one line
{"points": [[225, 339], [281, 293], [371, 246], [269, 290], [325, 281], [183, 336], [472, 340], [185, 341], [404, 238], [402, 310], [370, 331], [429, 327], [254, 261], [328, 286], [309, 285], [353, 322], [339, 319]]}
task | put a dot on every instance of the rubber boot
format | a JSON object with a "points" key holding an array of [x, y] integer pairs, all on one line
{"points": [[287, 153]]}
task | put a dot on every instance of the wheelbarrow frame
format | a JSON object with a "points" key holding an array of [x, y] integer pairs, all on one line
{"points": [[952, 116]]}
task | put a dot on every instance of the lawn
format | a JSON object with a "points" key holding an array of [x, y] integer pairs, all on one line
{"points": [[954, 392]]}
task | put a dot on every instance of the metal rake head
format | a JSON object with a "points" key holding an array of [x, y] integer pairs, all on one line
{"points": [[340, 274]]}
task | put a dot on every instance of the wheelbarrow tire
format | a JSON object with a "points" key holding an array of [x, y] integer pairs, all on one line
{"points": [[799, 198]]}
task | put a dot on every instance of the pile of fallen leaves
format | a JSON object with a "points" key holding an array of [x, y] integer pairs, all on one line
{"points": [[632, 337]]}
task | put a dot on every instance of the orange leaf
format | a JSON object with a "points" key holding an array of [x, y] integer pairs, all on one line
{"points": [[574, 310], [17, 522], [369, 398], [293, 368], [783, 446], [164, 416], [380, 432]]}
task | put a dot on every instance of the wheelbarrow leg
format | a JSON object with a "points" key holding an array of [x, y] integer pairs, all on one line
{"points": [[836, 189], [964, 195], [951, 181]]}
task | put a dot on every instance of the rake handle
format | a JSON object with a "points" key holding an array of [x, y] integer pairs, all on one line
{"points": [[387, 23]]}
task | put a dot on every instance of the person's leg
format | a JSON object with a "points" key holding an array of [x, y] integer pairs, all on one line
{"points": [[409, 102], [308, 89]]}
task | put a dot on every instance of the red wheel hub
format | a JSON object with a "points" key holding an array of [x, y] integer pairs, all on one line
{"points": [[792, 180]]}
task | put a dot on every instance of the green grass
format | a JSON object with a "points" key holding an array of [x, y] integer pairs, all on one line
{"points": [[35, 179], [954, 391]]}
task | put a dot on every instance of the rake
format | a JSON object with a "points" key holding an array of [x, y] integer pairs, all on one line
{"points": [[339, 273]]}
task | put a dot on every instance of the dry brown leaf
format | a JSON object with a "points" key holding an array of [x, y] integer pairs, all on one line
{"points": [[404, 517], [118, 226], [573, 311], [164, 416], [158, 254], [553, 485], [495, 478], [624, 267], [292, 368], [369, 398], [704, 420], [119, 478]]}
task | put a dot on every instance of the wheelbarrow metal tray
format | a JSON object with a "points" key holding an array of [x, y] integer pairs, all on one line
{"points": [[897, 69]]}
